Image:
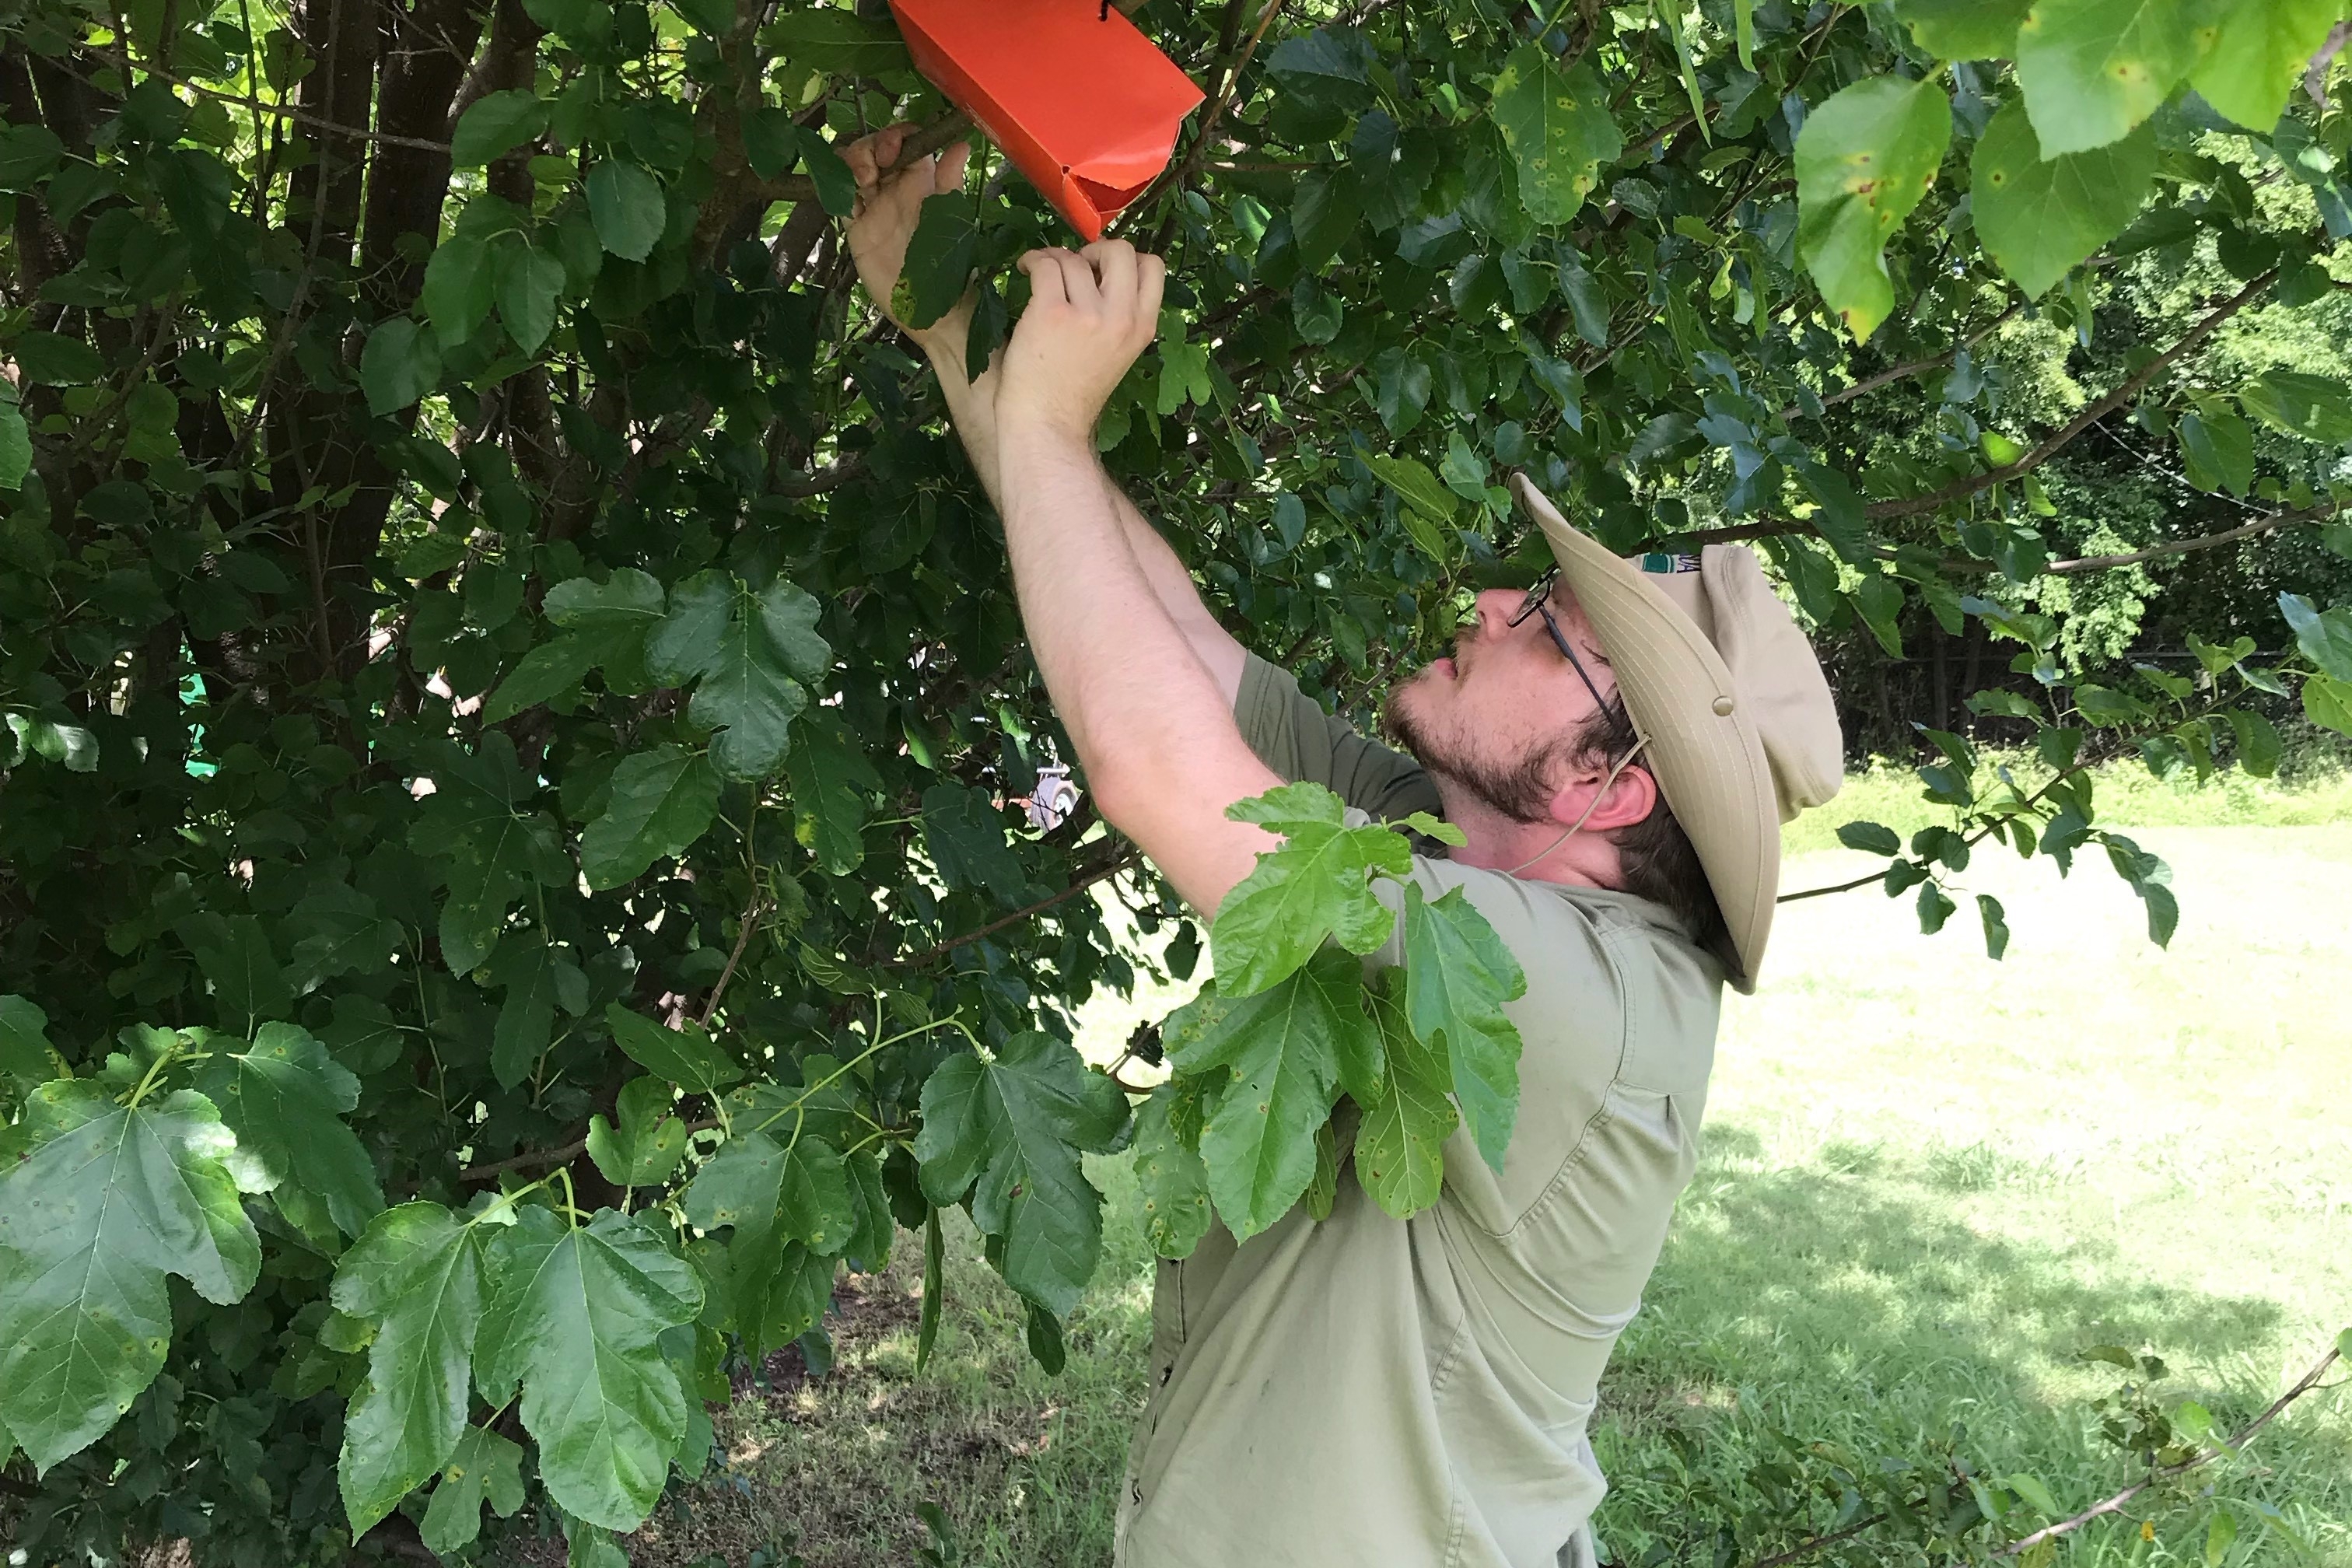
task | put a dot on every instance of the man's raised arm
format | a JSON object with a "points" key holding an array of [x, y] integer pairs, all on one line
{"points": [[889, 204]]}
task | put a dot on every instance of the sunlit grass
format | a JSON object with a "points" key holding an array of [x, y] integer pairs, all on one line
{"points": [[1930, 1181]]}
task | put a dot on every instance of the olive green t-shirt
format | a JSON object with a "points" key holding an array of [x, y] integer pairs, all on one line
{"points": [[1366, 1391]]}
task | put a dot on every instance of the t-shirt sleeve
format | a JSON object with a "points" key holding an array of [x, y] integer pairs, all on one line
{"points": [[1291, 734]]}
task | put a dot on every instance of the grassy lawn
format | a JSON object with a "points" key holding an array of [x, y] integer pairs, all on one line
{"points": [[1930, 1181]]}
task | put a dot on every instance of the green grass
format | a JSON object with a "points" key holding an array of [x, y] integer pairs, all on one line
{"points": [[1930, 1181], [2128, 795]]}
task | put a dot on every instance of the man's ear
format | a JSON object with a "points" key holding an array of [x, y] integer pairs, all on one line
{"points": [[1627, 800]]}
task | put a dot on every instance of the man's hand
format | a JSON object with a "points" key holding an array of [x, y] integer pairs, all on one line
{"points": [[889, 204], [1091, 313]]}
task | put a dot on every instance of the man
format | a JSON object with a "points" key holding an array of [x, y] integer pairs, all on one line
{"points": [[1619, 747]]}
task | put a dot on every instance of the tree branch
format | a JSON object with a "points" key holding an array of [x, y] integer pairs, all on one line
{"points": [[1229, 76], [2129, 388], [1120, 862], [2238, 1440], [1870, 384], [2260, 526]]}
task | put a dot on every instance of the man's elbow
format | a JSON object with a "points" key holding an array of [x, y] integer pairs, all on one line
{"points": [[1123, 785]]}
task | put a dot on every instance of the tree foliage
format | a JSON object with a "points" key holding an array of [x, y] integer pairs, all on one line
{"points": [[511, 872]]}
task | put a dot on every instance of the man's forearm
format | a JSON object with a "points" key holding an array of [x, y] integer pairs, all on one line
{"points": [[1117, 664], [972, 404]]}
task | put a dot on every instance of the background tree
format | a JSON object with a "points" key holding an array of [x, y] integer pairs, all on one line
{"points": [[510, 866]]}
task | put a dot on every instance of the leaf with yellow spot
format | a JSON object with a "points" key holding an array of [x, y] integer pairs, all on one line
{"points": [[1864, 159], [1558, 126]]}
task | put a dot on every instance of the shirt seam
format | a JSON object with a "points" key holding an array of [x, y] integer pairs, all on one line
{"points": [[1599, 1119]]}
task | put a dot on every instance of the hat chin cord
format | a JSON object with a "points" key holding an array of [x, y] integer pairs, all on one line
{"points": [[1598, 796]]}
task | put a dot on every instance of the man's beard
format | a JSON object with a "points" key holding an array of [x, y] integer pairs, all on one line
{"points": [[1520, 789]]}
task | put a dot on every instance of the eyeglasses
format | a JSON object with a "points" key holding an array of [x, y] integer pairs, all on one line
{"points": [[1537, 603]]}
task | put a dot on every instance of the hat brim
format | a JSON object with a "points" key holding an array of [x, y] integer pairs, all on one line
{"points": [[1702, 747]]}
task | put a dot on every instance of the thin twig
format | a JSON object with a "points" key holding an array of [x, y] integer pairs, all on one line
{"points": [[2202, 542], [2129, 388], [1797, 1554], [2238, 1439], [745, 926], [1229, 77], [1125, 858]]}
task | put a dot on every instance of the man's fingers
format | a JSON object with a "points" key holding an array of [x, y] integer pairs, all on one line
{"points": [[1047, 282], [1152, 283], [949, 176], [1113, 262], [870, 157]]}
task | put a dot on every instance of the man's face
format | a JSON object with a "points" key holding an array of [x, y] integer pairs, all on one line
{"points": [[1496, 718]]}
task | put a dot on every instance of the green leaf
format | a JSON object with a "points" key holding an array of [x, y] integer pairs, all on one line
{"points": [[646, 1147], [935, 1271], [1996, 925], [745, 648], [457, 289], [53, 359], [24, 1041], [2093, 69], [2220, 1534], [2216, 450], [485, 1469], [343, 932], [2257, 56], [494, 124], [1864, 159], [2039, 219], [2031, 1489], [1401, 1142], [964, 832], [939, 259], [798, 1190], [837, 41], [100, 1202], [2259, 746], [2312, 406], [576, 1319], [1170, 1180], [545, 673], [247, 985], [1317, 885], [286, 1099], [16, 447], [401, 363], [1458, 974], [1010, 1131], [529, 281], [416, 1276], [660, 802], [627, 208], [1284, 1047], [1558, 127], [2328, 703], [837, 187], [1964, 29], [535, 976], [1871, 837], [685, 1056], [832, 788], [1415, 484], [2324, 635]]}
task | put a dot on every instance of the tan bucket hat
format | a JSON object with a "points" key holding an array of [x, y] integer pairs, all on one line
{"points": [[1741, 733]]}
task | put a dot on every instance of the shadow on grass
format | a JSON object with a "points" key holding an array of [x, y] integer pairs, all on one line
{"points": [[1858, 1299], [1849, 1299]]}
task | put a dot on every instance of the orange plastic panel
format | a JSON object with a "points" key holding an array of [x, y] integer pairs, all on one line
{"points": [[1080, 101]]}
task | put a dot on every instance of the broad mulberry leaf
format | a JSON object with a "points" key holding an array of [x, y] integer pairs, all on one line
{"points": [[645, 1149], [749, 653], [575, 1318], [1010, 1131], [794, 1191], [965, 835], [1173, 1183], [284, 1098], [1317, 885], [417, 1274], [1400, 1140], [1284, 1047], [103, 1203], [486, 1468], [687, 1057], [659, 802], [833, 786], [1458, 974]]}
